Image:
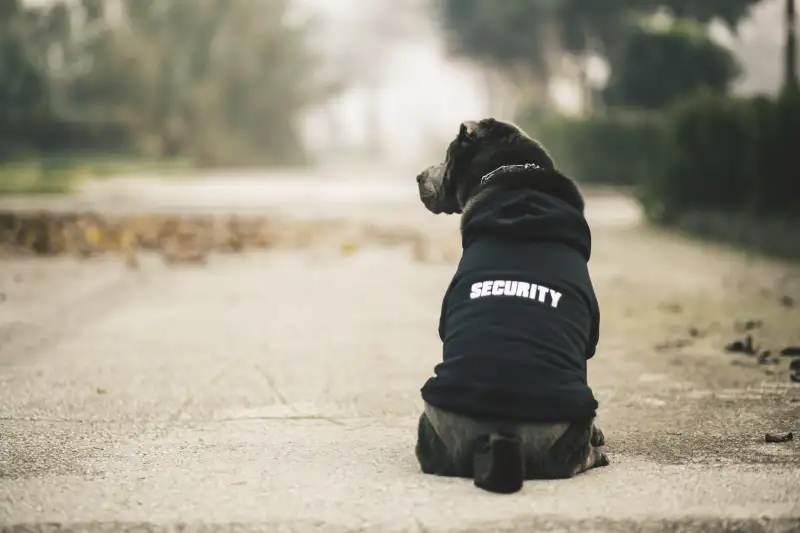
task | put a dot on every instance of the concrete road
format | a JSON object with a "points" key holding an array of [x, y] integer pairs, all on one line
{"points": [[372, 193], [279, 391]]}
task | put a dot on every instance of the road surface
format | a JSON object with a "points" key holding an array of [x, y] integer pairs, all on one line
{"points": [[279, 390]]}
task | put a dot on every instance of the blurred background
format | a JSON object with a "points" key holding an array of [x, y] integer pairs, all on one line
{"points": [[692, 105]]}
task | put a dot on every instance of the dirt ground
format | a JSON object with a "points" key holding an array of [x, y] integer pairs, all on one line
{"points": [[280, 387]]}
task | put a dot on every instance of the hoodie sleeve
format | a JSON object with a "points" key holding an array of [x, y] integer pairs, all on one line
{"points": [[594, 335], [442, 319], [443, 315]]}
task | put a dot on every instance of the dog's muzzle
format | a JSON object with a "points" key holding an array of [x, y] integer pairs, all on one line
{"points": [[429, 183]]}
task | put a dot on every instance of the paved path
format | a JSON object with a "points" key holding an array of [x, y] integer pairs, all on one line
{"points": [[290, 193], [280, 390]]}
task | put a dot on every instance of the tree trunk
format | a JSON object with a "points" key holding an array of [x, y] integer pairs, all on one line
{"points": [[790, 72], [587, 96]]}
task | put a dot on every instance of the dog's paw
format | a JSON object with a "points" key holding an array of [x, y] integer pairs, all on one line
{"points": [[598, 439], [602, 460]]}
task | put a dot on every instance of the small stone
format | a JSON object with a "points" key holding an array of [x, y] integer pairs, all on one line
{"points": [[787, 301], [752, 324], [748, 345], [671, 307], [795, 365], [735, 347], [745, 346], [672, 345], [778, 437], [765, 358]]}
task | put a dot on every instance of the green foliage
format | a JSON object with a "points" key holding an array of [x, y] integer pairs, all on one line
{"points": [[618, 147], [516, 33], [498, 33], [707, 153], [57, 174], [523, 32], [729, 11], [582, 21], [24, 90], [657, 68], [727, 154], [779, 131], [218, 81]]}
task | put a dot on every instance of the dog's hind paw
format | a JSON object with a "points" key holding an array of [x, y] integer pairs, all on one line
{"points": [[597, 439], [602, 460]]}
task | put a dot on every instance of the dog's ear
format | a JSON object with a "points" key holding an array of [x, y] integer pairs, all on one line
{"points": [[468, 131]]}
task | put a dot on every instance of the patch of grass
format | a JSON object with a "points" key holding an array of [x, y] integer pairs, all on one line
{"points": [[60, 174], [32, 178]]}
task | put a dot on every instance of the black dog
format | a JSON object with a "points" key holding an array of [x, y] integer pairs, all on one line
{"points": [[519, 321]]}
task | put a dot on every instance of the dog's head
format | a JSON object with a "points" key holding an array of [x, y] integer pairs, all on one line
{"points": [[479, 148]]}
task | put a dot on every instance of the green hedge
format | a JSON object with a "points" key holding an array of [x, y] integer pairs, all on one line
{"points": [[708, 151], [613, 148], [644, 74], [730, 154]]}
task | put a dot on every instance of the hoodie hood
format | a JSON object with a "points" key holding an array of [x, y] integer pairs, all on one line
{"points": [[525, 214]]}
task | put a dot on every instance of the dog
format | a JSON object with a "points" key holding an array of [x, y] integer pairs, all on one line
{"points": [[519, 321]]}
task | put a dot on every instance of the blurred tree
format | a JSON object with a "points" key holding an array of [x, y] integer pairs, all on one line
{"points": [[24, 90], [213, 78], [791, 81], [510, 35], [217, 80], [9, 9], [731, 12], [538, 33], [658, 67], [376, 29]]}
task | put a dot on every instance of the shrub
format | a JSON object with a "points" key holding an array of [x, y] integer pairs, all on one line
{"points": [[645, 73], [729, 154], [780, 182], [708, 152], [618, 147]]}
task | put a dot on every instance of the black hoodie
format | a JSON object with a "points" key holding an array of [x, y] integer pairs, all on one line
{"points": [[520, 317]]}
